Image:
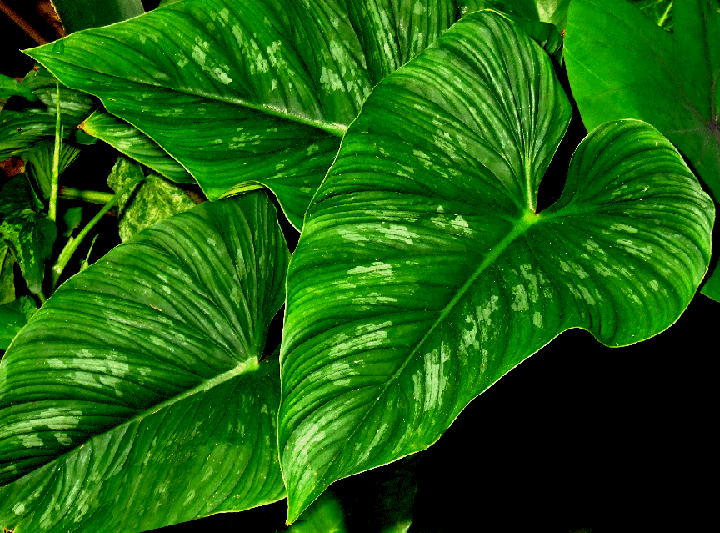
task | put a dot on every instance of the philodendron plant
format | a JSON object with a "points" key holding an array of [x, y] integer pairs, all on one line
{"points": [[408, 141]]}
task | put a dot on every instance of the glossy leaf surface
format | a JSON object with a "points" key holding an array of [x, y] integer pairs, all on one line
{"points": [[248, 93], [135, 144], [137, 397], [622, 65], [423, 273]]}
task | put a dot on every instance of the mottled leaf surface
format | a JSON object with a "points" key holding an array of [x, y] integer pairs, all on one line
{"points": [[424, 274], [153, 201], [29, 234], [138, 395], [622, 65], [135, 144], [248, 93]]}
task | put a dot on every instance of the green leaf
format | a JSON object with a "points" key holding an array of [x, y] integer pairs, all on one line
{"points": [[248, 93], [77, 16], [423, 273], [13, 316], [12, 87], [22, 125], [135, 144], [40, 161], [7, 275], [154, 201], [659, 11], [29, 234], [138, 396], [325, 515], [552, 11], [622, 65]]}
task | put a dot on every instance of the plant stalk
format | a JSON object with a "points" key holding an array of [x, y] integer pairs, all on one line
{"points": [[93, 197], [74, 242], [52, 209]]}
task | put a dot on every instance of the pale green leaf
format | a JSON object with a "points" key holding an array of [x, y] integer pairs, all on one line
{"points": [[155, 200], [424, 274]]}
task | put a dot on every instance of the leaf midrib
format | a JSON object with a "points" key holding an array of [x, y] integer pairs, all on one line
{"points": [[333, 128], [241, 368], [520, 226]]}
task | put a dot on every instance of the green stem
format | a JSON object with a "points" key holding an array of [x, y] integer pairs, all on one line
{"points": [[73, 242], [52, 209], [94, 197], [665, 15]]}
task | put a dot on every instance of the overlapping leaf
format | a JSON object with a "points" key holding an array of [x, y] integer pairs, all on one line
{"points": [[622, 65], [152, 202], [23, 124], [29, 233], [246, 93], [137, 396], [135, 144], [423, 273]]}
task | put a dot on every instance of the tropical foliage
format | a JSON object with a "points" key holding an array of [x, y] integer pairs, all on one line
{"points": [[406, 141]]}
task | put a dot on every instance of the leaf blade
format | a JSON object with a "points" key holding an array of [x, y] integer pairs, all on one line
{"points": [[146, 344], [418, 280]]}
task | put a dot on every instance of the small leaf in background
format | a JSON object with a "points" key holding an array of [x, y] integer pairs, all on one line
{"points": [[659, 11], [622, 65], [129, 140], [552, 11], [7, 277], [23, 124], [72, 217], [424, 273], [156, 199], [29, 234], [13, 316], [141, 393], [325, 515], [76, 16], [39, 161], [11, 87]]}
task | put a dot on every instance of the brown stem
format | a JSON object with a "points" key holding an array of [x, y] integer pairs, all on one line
{"points": [[26, 27]]}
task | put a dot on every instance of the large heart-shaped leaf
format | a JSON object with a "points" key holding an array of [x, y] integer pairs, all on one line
{"points": [[246, 93], [138, 395], [622, 65], [424, 274]]}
